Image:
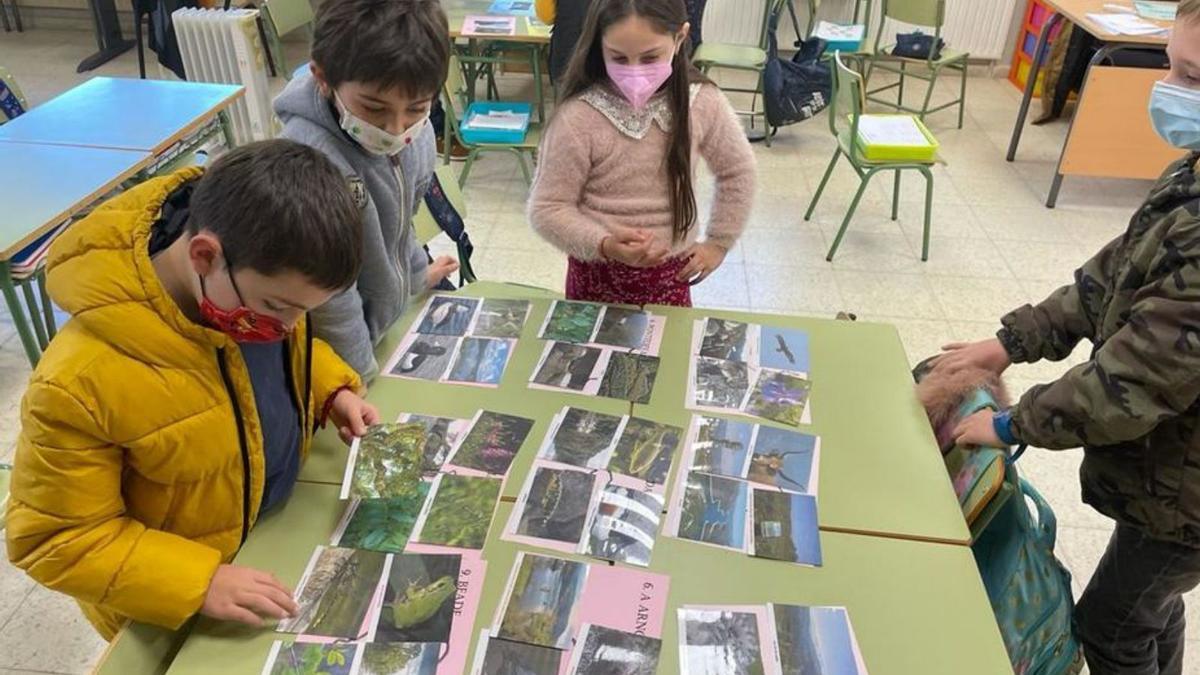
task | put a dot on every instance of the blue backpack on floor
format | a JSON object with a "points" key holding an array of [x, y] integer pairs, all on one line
{"points": [[1013, 537]]}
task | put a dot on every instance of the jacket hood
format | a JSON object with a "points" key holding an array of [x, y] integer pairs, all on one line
{"points": [[99, 271], [302, 99]]}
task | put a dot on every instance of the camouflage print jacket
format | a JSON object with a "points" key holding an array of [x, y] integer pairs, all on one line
{"points": [[1134, 406]]}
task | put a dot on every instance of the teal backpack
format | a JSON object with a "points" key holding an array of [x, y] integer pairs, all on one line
{"points": [[1013, 533]]}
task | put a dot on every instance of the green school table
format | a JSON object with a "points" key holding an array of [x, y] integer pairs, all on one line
{"points": [[127, 114], [458, 10], [40, 187], [880, 470], [327, 459], [917, 608]]}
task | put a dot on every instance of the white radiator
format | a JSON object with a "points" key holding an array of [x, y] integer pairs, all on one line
{"points": [[980, 27], [224, 46]]}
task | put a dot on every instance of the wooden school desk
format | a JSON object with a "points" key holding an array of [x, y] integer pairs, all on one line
{"points": [[1110, 134], [126, 114], [41, 186], [916, 608]]}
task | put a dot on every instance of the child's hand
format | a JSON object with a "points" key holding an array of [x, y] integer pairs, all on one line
{"points": [[439, 269], [986, 354], [978, 430], [247, 596], [632, 247], [703, 259], [352, 415]]}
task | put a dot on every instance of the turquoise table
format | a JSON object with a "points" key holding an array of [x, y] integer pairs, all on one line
{"points": [[127, 114], [393, 396], [41, 186], [880, 469], [917, 608]]}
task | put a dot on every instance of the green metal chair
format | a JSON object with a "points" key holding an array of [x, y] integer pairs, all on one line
{"points": [[748, 58], [926, 13], [456, 99], [844, 113], [281, 17], [5, 475]]}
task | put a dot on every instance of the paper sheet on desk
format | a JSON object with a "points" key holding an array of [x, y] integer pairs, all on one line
{"points": [[1126, 24], [890, 130]]}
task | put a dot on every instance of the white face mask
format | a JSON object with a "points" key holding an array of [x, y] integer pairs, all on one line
{"points": [[373, 139]]}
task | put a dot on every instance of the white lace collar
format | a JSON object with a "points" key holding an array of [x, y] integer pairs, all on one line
{"points": [[633, 123]]}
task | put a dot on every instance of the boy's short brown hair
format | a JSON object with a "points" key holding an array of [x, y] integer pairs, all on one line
{"points": [[280, 206], [387, 43]]}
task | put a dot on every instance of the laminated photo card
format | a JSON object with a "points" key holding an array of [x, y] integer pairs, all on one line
{"points": [[604, 326], [596, 371]]}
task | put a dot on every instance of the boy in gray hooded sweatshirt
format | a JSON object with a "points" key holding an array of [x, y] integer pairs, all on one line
{"points": [[377, 66]]}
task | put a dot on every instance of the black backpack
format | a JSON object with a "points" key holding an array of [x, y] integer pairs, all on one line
{"points": [[797, 89]]}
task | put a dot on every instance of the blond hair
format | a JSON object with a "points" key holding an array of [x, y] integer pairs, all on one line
{"points": [[1188, 9]]}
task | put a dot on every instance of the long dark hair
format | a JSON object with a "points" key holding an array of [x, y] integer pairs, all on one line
{"points": [[587, 69]]}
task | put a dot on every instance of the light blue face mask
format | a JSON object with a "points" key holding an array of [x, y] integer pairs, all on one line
{"points": [[1175, 112]]}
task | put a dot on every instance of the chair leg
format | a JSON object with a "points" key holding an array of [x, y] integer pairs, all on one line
{"points": [[47, 306], [821, 188], [471, 157], [28, 341], [524, 167], [928, 212], [929, 93], [900, 89], [849, 214], [962, 96], [137, 36], [35, 318], [896, 197], [535, 57]]}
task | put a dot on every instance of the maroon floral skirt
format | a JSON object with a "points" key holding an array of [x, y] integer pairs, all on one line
{"points": [[617, 283]]}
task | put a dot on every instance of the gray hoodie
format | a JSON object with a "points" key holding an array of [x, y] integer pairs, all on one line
{"points": [[394, 262]]}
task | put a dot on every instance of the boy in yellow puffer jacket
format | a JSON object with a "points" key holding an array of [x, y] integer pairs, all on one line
{"points": [[176, 405]]}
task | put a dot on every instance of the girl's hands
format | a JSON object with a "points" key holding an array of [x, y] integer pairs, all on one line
{"points": [[703, 259], [632, 247]]}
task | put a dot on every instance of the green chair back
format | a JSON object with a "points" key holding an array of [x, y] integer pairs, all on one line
{"points": [[5, 473], [929, 13], [846, 106], [288, 15], [423, 222], [455, 93]]}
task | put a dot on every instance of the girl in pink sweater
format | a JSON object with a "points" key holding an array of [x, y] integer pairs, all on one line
{"points": [[614, 185]]}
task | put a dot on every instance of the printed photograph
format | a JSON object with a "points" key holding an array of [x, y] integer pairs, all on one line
{"points": [[337, 593], [622, 327], [310, 658], [714, 511], [583, 438], [630, 377], [544, 593], [645, 450], [383, 525], [400, 658], [387, 462], [815, 640], [418, 601], [500, 318], [492, 443], [724, 340], [625, 526], [783, 459], [785, 527], [572, 321], [779, 397], [567, 366], [783, 349], [427, 358], [505, 657], [480, 361], [448, 316], [606, 651], [721, 642], [461, 512], [441, 433], [721, 384], [556, 507], [721, 446]]}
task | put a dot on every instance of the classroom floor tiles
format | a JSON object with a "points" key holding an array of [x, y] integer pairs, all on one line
{"points": [[994, 247]]}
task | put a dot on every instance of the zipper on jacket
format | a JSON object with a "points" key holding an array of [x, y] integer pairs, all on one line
{"points": [[241, 429], [308, 350], [405, 212]]}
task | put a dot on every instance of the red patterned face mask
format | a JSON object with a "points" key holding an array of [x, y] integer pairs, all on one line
{"points": [[241, 323]]}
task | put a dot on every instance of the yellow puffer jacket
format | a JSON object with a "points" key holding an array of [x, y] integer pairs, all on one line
{"points": [[140, 463]]}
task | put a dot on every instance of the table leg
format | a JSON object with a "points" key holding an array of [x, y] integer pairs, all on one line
{"points": [[1105, 52], [47, 306], [28, 341], [32, 305], [227, 129], [1039, 57], [109, 41]]}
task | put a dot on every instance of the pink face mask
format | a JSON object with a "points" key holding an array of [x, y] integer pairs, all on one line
{"points": [[638, 83]]}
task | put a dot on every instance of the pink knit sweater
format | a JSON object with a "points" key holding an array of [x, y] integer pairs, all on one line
{"points": [[594, 171]]}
